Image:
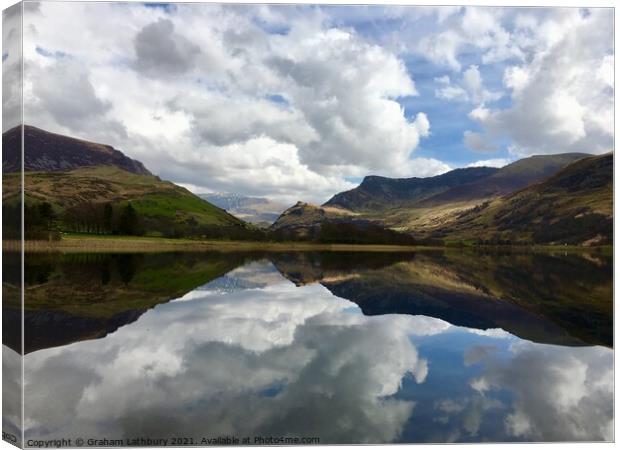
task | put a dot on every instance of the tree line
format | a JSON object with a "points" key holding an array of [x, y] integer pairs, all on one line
{"points": [[103, 218], [41, 221]]}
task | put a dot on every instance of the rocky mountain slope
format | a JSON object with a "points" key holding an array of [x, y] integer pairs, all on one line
{"points": [[574, 206], [510, 178], [379, 193], [51, 152]]}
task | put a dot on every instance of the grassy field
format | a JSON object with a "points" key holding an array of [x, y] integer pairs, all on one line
{"points": [[84, 243], [108, 243]]}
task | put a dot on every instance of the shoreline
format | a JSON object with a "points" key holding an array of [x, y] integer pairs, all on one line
{"points": [[139, 244], [94, 244]]}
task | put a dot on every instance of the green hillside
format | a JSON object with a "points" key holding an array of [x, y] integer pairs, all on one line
{"points": [[164, 208]]}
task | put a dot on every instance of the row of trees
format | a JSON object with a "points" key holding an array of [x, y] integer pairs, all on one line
{"points": [[103, 218], [38, 221], [42, 222]]}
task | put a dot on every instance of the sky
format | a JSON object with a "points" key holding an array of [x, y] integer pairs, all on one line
{"points": [[299, 102]]}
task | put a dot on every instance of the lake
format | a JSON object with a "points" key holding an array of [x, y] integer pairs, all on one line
{"points": [[428, 346]]}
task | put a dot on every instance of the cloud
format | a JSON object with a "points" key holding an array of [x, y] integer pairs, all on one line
{"points": [[426, 167], [345, 90], [470, 89], [522, 391], [291, 346], [561, 393], [464, 29], [562, 98], [201, 80], [495, 162], [260, 165], [48, 88], [181, 89], [11, 68], [161, 51]]}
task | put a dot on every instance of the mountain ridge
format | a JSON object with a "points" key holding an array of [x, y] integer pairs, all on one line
{"points": [[510, 178], [375, 191], [574, 206], [52, 152]]}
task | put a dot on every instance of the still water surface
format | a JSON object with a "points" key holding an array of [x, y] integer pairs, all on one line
{"points": [[350, 348]]}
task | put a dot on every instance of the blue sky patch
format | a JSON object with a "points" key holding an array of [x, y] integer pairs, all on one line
{"points": [[51, 54], [166, 7]]}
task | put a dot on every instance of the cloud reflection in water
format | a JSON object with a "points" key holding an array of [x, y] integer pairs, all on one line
{"points": [[265, 357]]}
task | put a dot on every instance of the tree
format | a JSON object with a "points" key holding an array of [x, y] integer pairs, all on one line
{"points": [[46, 214], [129, 222], [108, 215]]}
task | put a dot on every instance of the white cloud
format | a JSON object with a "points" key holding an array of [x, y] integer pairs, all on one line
{"points": [[449, 91], [11, 67], [190, 88], [494, 162], [425, 167], [562, 98], [469, 28], [605, 72], [479, 114], [561, 393], [300, 343], [211, 87], [470, 89], [442, 48]]}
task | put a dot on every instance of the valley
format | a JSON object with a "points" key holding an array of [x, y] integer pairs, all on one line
{"points": [[78, 188]]}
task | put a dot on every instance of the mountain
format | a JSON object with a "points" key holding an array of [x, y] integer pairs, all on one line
{"points": [[79, 178], [510, 178], [367, 203], [330, 225], [434, 215], [380, 192], [574, 206], [304, 220], [257, 210], [51, 152], [434, 207]]}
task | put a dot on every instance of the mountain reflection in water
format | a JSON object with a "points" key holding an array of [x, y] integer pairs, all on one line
{"points": [[352, 348]]}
